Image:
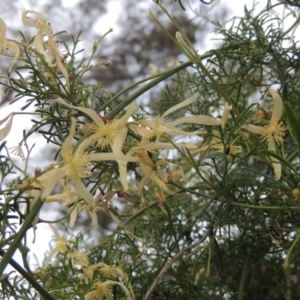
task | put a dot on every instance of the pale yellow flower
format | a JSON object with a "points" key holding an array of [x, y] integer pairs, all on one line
{"points": [[109, 271], [272, 133], [52, 57], [105, 133], [109, 134], [7, 44], [38, 21], [61, 245], [78, 258], [152, 172], [100, 290], [158, 127], [75, 167], [70, 199]]}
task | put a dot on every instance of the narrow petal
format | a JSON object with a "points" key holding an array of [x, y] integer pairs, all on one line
{"points": [[119, 141], [62, 69], [117, 149], [52, 178], [226, 114], [182, 104], [200, 120], [12, 46], [26, 20], [33, 22], [67, 149], [73, 216], [254, 129], [277, 108], [39, 43], [275, 162], [89, 112], [271, 144], [83, 192], [150, 174], [2, 33], [110, 156], [129, 112], [277, 168], [158, 181], [123, 174], [6, 129]]}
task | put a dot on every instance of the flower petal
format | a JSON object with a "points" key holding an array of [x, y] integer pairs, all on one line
{"points": [[277, 108], [12, 46], [182, 104], [129, 112], [2, 33], [32, 22], [6, 129], [82, 191], [277, 168], [200, 120], [110, 156], [67, 149], [226, 114], [254, 129]]}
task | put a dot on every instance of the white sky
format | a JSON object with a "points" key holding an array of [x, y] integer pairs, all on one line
{"points": [[44, 233]]}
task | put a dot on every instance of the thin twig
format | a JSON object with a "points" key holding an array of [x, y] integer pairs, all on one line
{"points": [[169, 263]]}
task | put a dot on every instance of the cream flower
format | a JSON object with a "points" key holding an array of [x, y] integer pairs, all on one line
{"points": [[78, 258], [150, 128], [74, 166], [70, 199], [103, 289], [158, 127], [151, 171], [61, 245], [39, 21], [7, 44], [109, 134], [272, 133], [52, 57], [100, 290]]}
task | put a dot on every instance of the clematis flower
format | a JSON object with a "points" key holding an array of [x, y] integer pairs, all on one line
{"points": [[151, 171], [272, 133], [109, 134], [78, 258], [102, 290], [74, 166], [61, 246], [150, 128], [41, 24], [52, 57], [7, 44], [158, 127]]}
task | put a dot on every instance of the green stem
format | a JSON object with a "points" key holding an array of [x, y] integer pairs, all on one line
{"points": [[19, 236], [28, 277], [145, 88], [243, 280]]}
